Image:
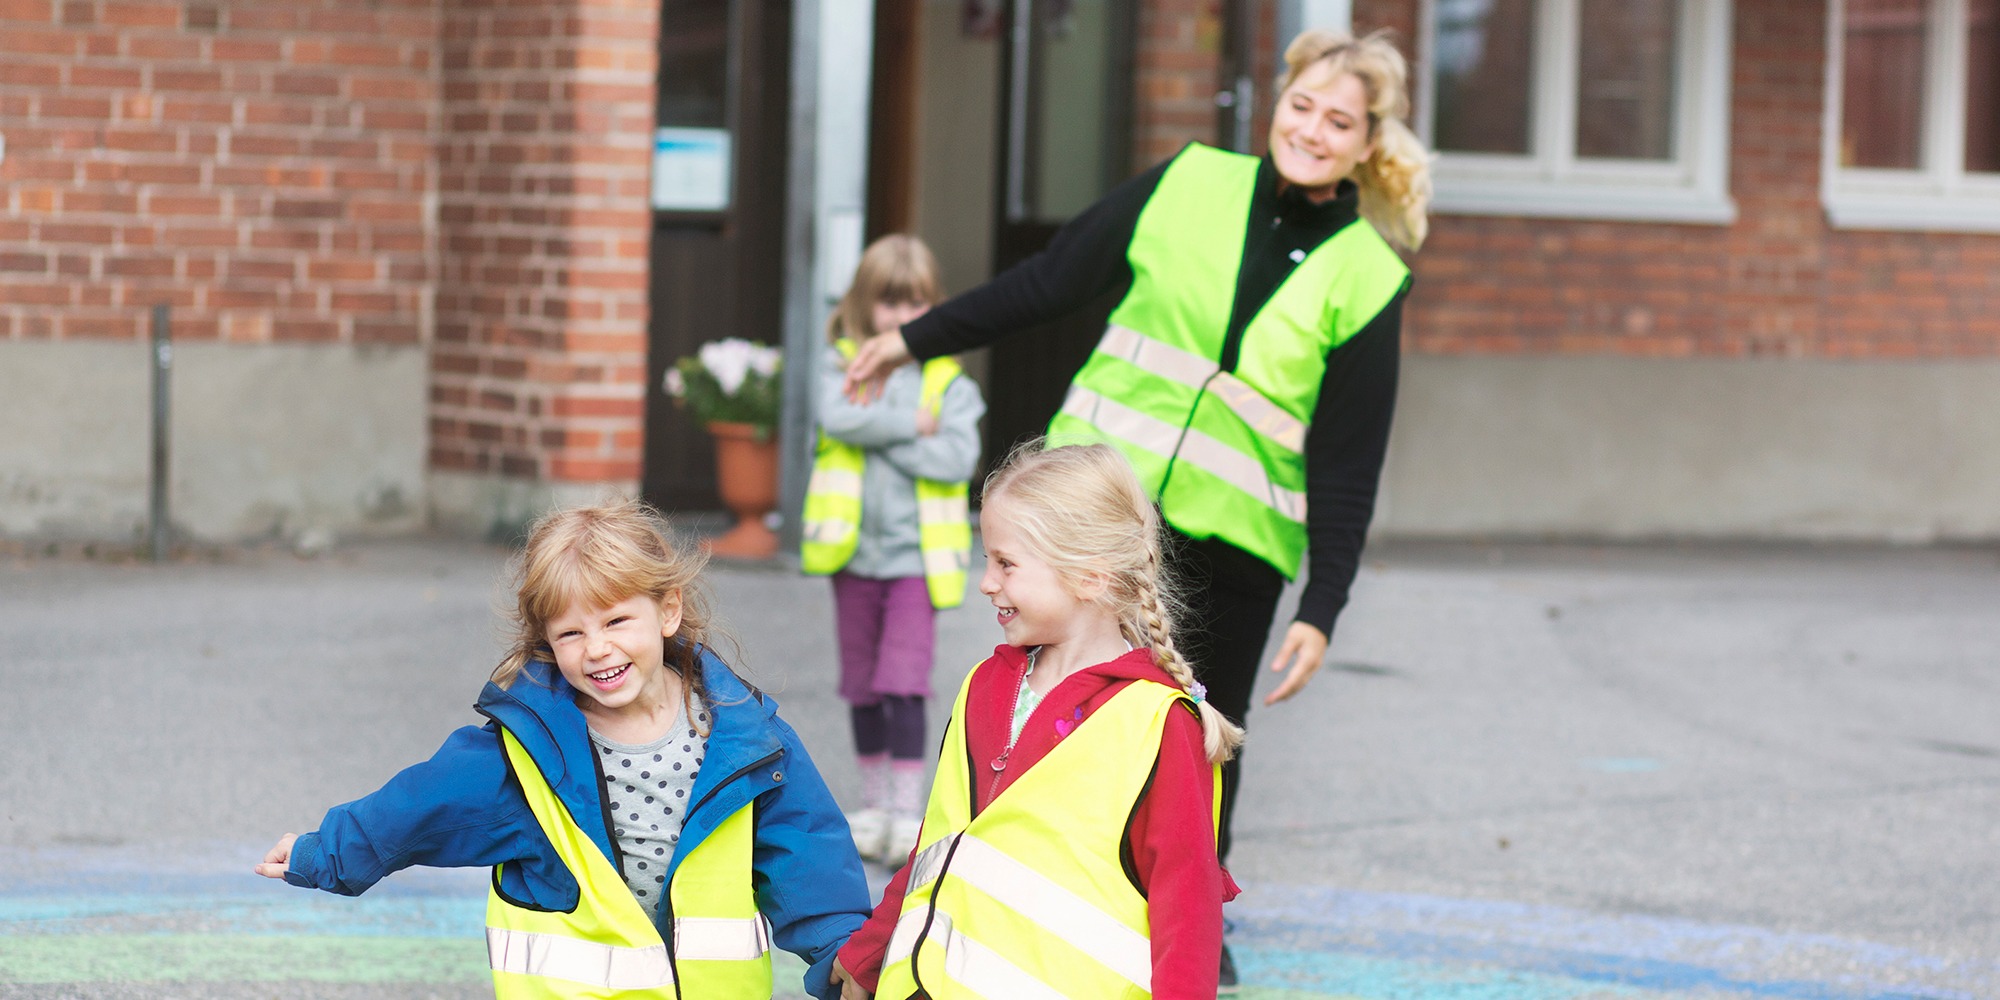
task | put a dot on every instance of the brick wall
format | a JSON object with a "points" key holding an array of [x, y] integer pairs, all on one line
{"points": [[540, 361], [262, 167], [1779, 281], [1178, 55], [464, 174]]}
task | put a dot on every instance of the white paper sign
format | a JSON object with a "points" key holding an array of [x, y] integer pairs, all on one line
{"points": [[691, 169]]}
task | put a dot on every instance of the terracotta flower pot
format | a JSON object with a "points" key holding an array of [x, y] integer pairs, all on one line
{"points": [[746, 473]]}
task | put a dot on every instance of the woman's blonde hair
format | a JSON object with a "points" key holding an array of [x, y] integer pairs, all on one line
{"points": [[598, 556], [1396, 181], [1081, 510], [895, 268]]}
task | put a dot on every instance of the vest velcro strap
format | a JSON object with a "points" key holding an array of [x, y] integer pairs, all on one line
{"points": [[1019, 887], [978, 968], [1262, 415], [1242, 471], [554, 956], [1162, 359], [721, 939]]}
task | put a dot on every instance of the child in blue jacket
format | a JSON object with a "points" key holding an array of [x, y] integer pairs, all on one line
{"points": [[626, 861]]}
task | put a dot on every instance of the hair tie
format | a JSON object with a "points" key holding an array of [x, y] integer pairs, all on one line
{"points": [[1198, 691]]}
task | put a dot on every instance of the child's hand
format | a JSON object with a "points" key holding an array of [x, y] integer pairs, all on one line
{"points": [[927, 421], [849, 989], [278, 858]]}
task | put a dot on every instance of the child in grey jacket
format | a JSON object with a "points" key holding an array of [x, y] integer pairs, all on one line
{"points": [[886, 517]]}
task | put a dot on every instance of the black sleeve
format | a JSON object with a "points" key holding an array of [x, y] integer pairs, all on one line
{"points": [[1085, 259], [1344, 451]]}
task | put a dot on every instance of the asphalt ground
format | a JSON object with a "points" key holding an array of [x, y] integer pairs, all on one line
{"points": [[1530, 771]]}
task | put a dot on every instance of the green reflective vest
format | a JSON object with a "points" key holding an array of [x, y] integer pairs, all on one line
{"points": [[607, 947], [832, 514], [1222, 451], [1030, 899]]}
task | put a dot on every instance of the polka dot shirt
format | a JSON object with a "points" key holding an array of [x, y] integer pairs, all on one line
{"points": [[649, 789]]}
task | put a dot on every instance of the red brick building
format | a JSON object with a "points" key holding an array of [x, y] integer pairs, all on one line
{"points": [[1722, 267]]}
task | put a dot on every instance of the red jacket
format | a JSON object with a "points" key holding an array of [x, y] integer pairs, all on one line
{"points": [[1170, 836]]}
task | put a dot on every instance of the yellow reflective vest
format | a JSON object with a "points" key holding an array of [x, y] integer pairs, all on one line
{"points": [[607, 947], [1222, 451], [832, 514], [1030, 899]]}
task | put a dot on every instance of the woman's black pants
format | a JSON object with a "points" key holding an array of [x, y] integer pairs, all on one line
{"points": [[1230, 598]]}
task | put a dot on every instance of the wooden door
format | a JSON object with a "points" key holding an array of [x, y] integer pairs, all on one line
{"points": [[717, 242]]}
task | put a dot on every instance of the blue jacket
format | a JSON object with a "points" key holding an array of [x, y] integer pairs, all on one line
{"points": [[461, 809]]}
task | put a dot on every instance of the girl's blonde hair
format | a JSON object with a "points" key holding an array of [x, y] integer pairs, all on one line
{"points": [[598, 556], [1081, 510], [1396, 181], [895, 268]]}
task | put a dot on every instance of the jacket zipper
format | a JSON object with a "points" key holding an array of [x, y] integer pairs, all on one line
{"points": [[999, 764]]}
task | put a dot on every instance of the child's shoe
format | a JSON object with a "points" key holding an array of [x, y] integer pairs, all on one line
{"points": [[902, 839], [871, 829]]}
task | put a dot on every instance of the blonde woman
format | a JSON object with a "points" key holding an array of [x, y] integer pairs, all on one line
{"points": [[1249, 371]]}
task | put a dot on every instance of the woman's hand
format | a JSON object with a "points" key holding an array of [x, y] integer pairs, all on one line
{"points": [[278, 858], [849, 989], [1298, 659], [878, 356]]}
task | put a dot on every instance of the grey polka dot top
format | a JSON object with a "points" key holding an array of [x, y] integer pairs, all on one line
{"points": [[649, 789]]}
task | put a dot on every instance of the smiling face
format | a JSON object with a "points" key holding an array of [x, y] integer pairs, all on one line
{"points": [[615, 657], [1320, 131], [1034, 607]]}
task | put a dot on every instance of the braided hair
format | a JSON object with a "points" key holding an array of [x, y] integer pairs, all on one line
{"points": [[1081, 509]]}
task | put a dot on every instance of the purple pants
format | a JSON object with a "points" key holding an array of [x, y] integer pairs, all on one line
{"points": [[888, 631]]}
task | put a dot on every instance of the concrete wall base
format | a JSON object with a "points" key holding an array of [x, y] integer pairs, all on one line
{"points": [[495, 508], [268, 441], [1632, 448]]}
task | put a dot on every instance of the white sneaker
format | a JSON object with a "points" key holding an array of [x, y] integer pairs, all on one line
{"points": [[870, 828], [901, 841]]}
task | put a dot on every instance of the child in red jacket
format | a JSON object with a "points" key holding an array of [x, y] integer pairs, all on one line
{"points": [[1069, 845]]}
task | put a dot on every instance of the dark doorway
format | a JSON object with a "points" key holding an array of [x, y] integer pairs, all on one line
{"points": [[718, 219], [1065, 139]]}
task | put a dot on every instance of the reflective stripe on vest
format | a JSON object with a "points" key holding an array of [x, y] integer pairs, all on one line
{"points": [[1030, 898], [607, 946], [1223, 450], [831, 520]]}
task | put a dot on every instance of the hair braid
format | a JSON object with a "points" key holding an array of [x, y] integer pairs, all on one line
{"points": [[1219, 736]]}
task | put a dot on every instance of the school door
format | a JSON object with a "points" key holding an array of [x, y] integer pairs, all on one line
{"points": [[994, 123], [718, 213]]}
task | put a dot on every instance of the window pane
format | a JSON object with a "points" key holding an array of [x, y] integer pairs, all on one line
{"points": [[694, 63], [1882, 84], [1071, 140], [1485, 59], [1982, 86], [1626, 78]]}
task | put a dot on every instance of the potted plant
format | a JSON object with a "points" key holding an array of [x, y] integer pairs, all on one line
{"points": [[732, 387]]}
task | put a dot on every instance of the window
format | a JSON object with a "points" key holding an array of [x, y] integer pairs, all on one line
{"points": [[1913, 115], [1615, 109]]}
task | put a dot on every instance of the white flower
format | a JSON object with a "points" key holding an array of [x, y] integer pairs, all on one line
{"points": [[729, 361], [677, 385], [764, 360]]}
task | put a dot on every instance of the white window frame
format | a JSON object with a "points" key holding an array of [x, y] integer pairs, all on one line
{"points": [[1940, 194], [1552, 181]]}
